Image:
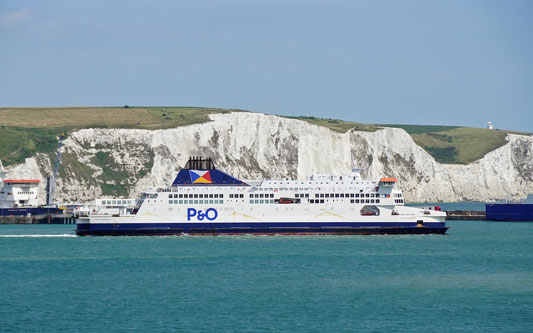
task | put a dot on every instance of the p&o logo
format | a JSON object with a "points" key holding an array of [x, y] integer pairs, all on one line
{"points": [[210, 214]]}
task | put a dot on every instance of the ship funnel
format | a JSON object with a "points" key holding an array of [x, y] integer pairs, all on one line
{"points": [[199, 163]]}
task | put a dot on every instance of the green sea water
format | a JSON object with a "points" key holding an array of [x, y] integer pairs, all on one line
{"points": [[477, 278]]}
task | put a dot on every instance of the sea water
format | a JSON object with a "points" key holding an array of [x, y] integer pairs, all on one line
{"points": [[477, 278]]}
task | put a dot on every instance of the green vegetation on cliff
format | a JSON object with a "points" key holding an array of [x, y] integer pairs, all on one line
{"points": [[18, 143], [114, 179], [337, 125], [26, 131], [447, 144], [456, 145]]}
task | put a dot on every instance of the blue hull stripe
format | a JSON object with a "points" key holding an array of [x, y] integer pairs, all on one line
{"points": [[84, 229]]}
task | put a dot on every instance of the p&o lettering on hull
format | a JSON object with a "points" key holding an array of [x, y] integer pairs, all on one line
{"points": [[210, 214]]}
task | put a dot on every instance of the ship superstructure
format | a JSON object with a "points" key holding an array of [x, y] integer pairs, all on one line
{"points": [[17, 192], [205, 200], [19, 197]]}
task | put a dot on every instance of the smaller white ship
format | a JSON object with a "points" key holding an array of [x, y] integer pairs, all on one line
{"points": [[19, 197], [17, 192]]}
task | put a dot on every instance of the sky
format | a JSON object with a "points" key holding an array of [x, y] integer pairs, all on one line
{"points": [[384, 62]]}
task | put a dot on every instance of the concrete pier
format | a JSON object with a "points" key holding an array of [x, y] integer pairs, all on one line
{"points": [[476, 215], [39, 219]]}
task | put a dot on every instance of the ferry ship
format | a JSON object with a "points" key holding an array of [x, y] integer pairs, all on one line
{"points": [[19, 197], [511, 211], [203, 200]]}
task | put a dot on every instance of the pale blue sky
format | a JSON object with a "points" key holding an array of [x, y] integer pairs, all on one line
{"points": [[411, 62]]}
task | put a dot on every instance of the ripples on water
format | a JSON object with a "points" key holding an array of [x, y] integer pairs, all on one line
{"points": [[479, 277]]}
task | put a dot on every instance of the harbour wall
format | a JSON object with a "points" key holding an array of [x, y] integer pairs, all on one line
{"points": [[39, 219], [471, 215]]}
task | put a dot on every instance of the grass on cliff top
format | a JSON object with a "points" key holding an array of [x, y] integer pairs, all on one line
{"points": [[456, 145], [107, 117], [421, 129], [26, 131], [337, 125]]}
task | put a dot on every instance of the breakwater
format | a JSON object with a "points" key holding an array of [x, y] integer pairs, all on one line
{"points": [[472, 215], [39, 219]]}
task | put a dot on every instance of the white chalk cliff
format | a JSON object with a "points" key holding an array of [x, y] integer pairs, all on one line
{"points": [[254, 146]]}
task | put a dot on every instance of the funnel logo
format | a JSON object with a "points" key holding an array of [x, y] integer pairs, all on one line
{"points": [[200, 177]]}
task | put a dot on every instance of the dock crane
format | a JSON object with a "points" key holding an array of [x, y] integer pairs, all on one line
{"points": [[51, 188]]}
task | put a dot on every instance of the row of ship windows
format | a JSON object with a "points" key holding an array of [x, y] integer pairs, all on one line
{"points": [[398, 200], [196, 202], [201, 196], [262, 201], [264, 189], [301, 188], [315, 201], [261, 195], [349, 195], [19, 193], [271, 189], [267, 201], [117, 202], [271, 195], [322, 182]]}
